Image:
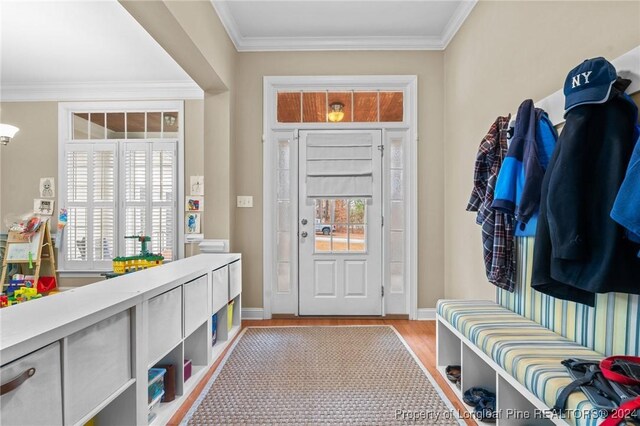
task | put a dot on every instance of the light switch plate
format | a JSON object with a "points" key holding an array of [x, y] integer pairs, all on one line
{"points": [[245, 201]]}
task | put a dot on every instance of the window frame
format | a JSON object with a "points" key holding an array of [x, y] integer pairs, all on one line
{"points": [[65, 137]]}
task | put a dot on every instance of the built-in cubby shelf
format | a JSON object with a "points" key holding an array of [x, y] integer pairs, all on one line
{"points": [[514, 403], [93, 346], [197, 342]]}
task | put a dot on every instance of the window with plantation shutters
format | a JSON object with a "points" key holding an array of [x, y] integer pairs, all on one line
{"points": [[149, 196], [90, 192], [119, 179]]}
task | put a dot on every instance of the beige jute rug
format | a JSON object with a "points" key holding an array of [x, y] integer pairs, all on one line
{"points": [[353, 375]]}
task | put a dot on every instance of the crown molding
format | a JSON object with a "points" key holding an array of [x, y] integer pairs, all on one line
{"points": [[92, 91], [457, 19], [228, 22], [269, 44], [280, 44]]}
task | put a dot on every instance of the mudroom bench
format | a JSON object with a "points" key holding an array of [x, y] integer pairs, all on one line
{"points": [[513, 356]]}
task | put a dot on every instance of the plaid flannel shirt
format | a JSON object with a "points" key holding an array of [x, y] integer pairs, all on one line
{"points": [[497, 227]]}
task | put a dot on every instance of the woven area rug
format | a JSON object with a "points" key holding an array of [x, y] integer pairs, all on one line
{"points": [[339, 375]]}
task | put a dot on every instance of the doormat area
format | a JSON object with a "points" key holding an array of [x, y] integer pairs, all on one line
{"points": [[321, 375]]}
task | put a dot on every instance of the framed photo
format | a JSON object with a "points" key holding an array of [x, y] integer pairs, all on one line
{"points": [[194, 203], [43, 207], [192, 223], [197, 185], [47, 187]]}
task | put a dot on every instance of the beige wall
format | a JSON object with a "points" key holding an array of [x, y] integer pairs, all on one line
{"points": [[31, 155], [504, 53], [34, 154], [247, 148]]}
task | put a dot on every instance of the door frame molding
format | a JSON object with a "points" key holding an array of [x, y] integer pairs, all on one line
{"points": [[271, 85]]}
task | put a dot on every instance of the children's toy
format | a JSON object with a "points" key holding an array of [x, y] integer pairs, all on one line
{"points": [[29, 246], [63, 218], [145, 260]]}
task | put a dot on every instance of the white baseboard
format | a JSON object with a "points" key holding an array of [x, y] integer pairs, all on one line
{"points": [[426, 314], [252, 313]]}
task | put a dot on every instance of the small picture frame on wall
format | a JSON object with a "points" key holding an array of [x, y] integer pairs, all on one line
{"points": [[194, 203], [192, 223], [47, 187], [43, 207], [197, 185]]}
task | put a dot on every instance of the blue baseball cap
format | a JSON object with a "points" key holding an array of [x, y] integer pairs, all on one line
{"points": [[589, 83]]}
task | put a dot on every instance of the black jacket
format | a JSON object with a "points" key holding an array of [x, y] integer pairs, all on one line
{"points": [[579, 249]]}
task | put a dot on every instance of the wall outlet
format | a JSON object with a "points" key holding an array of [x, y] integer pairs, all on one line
{"points": [[245, 201]]}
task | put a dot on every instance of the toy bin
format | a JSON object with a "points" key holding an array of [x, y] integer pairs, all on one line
{"points": [[153, 407], [230, 315], [187, 369], [214, 329], [156, 383]]}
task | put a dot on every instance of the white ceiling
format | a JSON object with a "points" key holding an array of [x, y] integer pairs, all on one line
{"points": [[59, 46], [267, 25]]}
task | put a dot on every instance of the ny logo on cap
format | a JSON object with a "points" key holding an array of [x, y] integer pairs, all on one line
{"points": [[576, 79]]}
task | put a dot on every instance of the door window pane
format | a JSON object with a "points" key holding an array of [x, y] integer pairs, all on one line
{"points": [[340, 226], [357, 238], [391, 106], [341, 214], [365, 106], [314, 107], [357, 211], [289, 107], [340, 238], [345, 100]]}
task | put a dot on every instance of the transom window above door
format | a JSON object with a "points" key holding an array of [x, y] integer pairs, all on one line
{"points": [[340, 226], [340, 107]]}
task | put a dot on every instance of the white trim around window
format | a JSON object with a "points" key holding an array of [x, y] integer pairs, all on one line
{"points": [[65, 129]]}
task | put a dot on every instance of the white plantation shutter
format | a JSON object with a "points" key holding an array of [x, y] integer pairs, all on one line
{"points": [[136, 178], [150, 196], [163, 178], [103, 193], [90, 199]]}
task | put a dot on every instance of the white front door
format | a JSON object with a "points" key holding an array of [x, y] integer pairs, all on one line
{"points": [[340, 222]]}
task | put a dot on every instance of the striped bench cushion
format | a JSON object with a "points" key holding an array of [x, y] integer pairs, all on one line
{"points": [[526, 350]]}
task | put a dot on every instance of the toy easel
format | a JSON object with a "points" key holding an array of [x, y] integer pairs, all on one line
{"points": [[31, 250]]}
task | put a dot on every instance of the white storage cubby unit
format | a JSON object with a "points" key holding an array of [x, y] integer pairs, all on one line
{"points": [[85, 353], [515, 404]]}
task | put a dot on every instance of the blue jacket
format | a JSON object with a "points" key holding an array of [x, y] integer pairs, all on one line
{"points": [[626, 209], [520, 179]]}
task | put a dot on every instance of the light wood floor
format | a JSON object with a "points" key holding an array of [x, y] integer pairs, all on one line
{"points": [[420, 335]]}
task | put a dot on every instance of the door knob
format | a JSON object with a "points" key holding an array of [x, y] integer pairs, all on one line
{"points": [[304, 234], [304, 221]]}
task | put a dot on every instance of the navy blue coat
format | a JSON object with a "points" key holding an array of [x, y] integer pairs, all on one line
{"points": [[579, 249]]}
